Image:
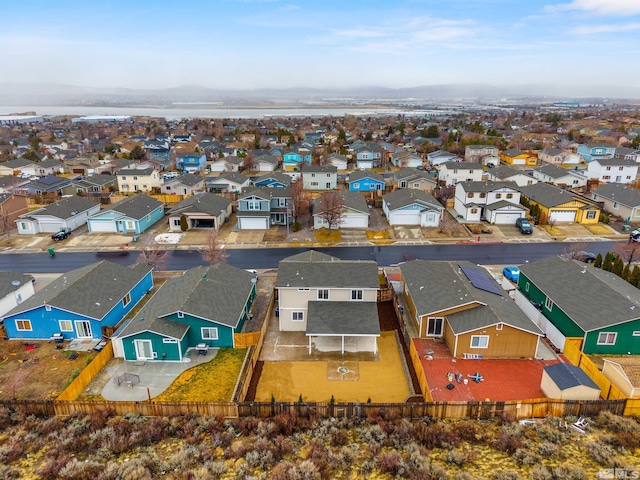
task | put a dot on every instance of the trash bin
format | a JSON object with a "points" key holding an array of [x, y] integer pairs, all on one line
{"points": [[626, 228], [52, 252], [135, 238]]}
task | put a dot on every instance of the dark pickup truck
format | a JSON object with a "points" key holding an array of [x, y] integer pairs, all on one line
{"points": [[61, 235]]}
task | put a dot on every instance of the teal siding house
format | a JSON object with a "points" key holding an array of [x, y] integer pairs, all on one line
{"points": [[585, 302], [133, 215], [78, 304], [204, 307], [365, 181]]}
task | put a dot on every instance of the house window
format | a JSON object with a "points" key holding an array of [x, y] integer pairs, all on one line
{"points": [[498, 195], [328, 185], [471, 171], [209, 333], [526, 287], [616, 205], [607, 338], [130, 225], [144, 186], [23, 226], [148, 218], [126, 300], [47, 308], [403, 184], [65, 325], [548, 303], [628, 177], [176, 222], [416, 185], [303, 289], [591, 214], [509, 195], [180, 314], [124, 178], [636, 333], [608, 168], [23, 325], [135, 178], [470, 195], [455, 170], [474, 210], [499, 326], [314, 184], [313, 175], [169, 340], [606, 177], [479, 341], [323, 294], [253, 205], [356, 294], [483, 195], [620, 168], [297, 316], [356, 185]]}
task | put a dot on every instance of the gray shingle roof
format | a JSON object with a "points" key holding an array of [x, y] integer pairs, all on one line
{"points": [[616, 162], [314, 270], [343, 318], [278, 177], [462, 165], [605, 299], [360, 174], [135, 171], [568, 376], [266, 193], [408, 196], [553, 171], [230, 176], [272, 159], [620, 193], [217, 293], [7, 277], [351, 200], [549, 195], [92, 290], [414, 173], [513, 152], [486, 187], [204, 202], [438, 286], [504, 171], [65, 208], [188, 179], [319, 169], [136, 207]]}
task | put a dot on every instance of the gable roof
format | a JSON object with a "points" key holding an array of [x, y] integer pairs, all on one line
{"points": [[136, 207], [513, 152], [437, 286], [616, 162], [204, 202], [278, 177], [462, 165], [411, 173], [136, 171], [550, 195], [266, 193], [342, 318], [360, 174], [65, 208], [217, 293], [188, 179], [314, 270], [408, 196], [350, 200], [605, 299], [568, 376], [486, 187], [504, 171], [319, 169], [234, 177], [553, 171], [6, 279], [271, 159], [621, 193], [92, 290]]}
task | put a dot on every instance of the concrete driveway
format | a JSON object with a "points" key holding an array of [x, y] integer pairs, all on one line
{"points": [[406, 232], [155, 376]]}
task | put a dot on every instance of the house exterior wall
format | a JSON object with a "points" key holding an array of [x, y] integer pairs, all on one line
{"points": [[10, 301], [319, 180], [194, 335], [144, 223], [612, 173], [172, 351], [44, 323], [615, 374], [581, 216], [139, 183], [580, 392], [459, 174], [506, 343], [625, 342], [629, 214], [264, 204], [366, 185]]}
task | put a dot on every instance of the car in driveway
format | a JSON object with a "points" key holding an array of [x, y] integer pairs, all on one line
{"points": [[61, 235], [512, 273], [524, 225]]}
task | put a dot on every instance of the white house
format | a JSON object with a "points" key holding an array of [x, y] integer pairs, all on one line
{"points": [[226, 164], [355, 212], [338, 161], [232, 182], [497, 202], [319, 177], [186, 184], [14, 289], [484, 154], [408, 206], [608, 170], [68, 213], [440, 156], [451, 173], [504, 173], [404, 159], [266, 163], [555, 175]]}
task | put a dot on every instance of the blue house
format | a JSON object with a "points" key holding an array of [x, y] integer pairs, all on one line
{"points": [[292, 161], [81, 302], [259, 208], [205, 307], [365, 181], [132, 215], [590, 152], [191, 162], [273, 180]]}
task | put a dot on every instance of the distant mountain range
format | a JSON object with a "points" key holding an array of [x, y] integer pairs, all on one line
{"points": [[60, 94]]}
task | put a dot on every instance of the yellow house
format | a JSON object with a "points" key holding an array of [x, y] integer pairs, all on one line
{"points": [[558, 205], [515, 156]]}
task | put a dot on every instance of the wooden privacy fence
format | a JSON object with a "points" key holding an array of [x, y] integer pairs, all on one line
{"points": [[147, 409], [417, 366], [607, 389], [81, 382]]}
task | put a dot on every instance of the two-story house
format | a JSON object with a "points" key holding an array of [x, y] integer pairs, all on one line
{"points": [[131, 180], [504, 173], [495, 202], [260, 208], [333, 301], [590, 152], [320, 177], [483, 154], [620, 200], [415, 179], [451, 173], [298, 155], [608, 170], [191, 162], [550, 173], [367, 156]]}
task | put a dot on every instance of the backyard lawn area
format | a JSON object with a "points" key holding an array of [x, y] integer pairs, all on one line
{"points": [[317, 381], [213, 381]]}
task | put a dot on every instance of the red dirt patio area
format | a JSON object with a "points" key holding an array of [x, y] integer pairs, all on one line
{"points": [[503, 379]]}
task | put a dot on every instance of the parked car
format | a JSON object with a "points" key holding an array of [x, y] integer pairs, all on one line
{"points": [[61, 235], [512, 273], [634, 236], [581, 255], [524, 226]]}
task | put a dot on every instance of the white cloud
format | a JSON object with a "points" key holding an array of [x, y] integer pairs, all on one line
{"points": [[591, 29], [600, 7]]}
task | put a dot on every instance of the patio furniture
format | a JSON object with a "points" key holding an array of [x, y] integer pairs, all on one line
{"points": [[57, 337], [127, 378], [428, 354], [202, 348]]}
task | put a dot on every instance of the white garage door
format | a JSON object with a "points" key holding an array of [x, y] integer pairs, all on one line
{"points": [[95, 226], [355, 221], [50, 226], [506, 218], [253, 223], [410, 217], [563, 216]]}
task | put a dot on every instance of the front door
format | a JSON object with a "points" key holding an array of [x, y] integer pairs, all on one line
{"points": [[434, 327], [143, 349], [83, 329]]}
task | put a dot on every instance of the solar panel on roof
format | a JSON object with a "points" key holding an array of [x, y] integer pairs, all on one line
{"points": [[49, 180], [480, 280]]}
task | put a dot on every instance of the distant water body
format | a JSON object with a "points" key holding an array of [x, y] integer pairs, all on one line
{"points": [[203, 112]]}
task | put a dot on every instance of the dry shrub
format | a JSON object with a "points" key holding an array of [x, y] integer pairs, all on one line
{"points": [[78, 470], [12, 451], [617, 423], [459, 457], [435, 435], [508, 443], [7, 472], [561, 472], [601, 454], [506, 475], [339, 437], [551, 432], [391, 463], [467, 431], [319, 455]]}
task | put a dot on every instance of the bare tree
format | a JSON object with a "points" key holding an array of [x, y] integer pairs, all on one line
{"points": [[299, 198], [447, 224], [443, 194], [152, 254], [248, 163], [213, 251], [628, 252], [575, 251], [331, 208]]}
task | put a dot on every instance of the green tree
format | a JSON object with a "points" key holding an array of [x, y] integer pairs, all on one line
{"points": [[184, 223], [634, 278], [111, 148], [401, 128], [432, 131], [598, 262], [626, 272], [31, 155], [368, 136], [618, 266], [608, 262], [35, 143], [137, 153]]}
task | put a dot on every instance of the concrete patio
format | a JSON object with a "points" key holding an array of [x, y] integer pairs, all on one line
{"points": [[155, 376]]}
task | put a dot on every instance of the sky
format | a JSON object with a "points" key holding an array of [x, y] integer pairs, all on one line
{"points": [[240, 44]]}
